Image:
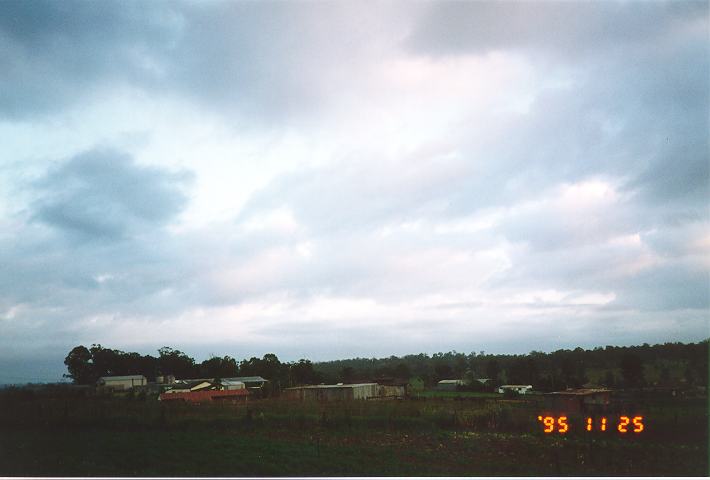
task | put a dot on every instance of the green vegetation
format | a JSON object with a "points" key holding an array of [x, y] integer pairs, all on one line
{"points": [[667, 365], [71, 432]]}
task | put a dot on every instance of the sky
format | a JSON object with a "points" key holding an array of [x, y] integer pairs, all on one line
{"points": [[330, 180]]}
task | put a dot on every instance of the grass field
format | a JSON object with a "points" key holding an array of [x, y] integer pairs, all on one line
{"points": [[475, 436]]}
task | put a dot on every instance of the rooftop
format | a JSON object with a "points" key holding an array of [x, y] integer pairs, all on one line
{"points": [[246, 379], [124, 377], [346, 385], [580, 391]]}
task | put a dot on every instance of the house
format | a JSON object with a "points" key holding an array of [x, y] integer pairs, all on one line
{"points": [[354, 391], [519, 389], [579, 400], [125, 382], [204, 396], [449, 385]]}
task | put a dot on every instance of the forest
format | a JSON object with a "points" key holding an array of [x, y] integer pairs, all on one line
{"points": [[668, 364]]}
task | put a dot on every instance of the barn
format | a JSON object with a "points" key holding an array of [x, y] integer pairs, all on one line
{"points": [[353, 391], [125, 382], [580, 400]]}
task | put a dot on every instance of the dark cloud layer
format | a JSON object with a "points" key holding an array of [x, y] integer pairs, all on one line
{"points": [[103, 193], [57, 53]]}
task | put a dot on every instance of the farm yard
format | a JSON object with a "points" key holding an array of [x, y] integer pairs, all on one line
{"points": [[69, 433]]}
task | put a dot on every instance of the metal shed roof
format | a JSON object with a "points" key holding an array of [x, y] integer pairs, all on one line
{"points": [[346, 385], [246, 379], [124, 377]]}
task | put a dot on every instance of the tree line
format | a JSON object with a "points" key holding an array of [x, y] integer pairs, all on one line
{"points": [[616, 367], [87, 365], [610, 366]]}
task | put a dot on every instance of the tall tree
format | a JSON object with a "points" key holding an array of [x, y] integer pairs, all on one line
{"points": [[80, 366], [174, 362]]}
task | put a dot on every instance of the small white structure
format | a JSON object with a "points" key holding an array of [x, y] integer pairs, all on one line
{"points": [[123, 382], [520, 389]]}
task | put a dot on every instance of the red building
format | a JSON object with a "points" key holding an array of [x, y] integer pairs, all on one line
{"points": [[206, 396]]}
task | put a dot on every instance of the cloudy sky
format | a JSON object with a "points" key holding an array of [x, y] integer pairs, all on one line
{"points": [[338, 179]]}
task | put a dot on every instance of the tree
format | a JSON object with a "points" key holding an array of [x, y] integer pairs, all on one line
{"points": [[523, 371], [347, 374], [80, 366], [493, 370], [219, 367], [302, 373], [174, 362], [632, 370], [442, 371], [402, 371], [107, 362]]}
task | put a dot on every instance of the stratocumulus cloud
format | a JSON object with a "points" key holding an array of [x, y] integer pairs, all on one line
{"points": [[326, 180]]}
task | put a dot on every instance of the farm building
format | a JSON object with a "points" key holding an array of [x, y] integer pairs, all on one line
{"points": [[165, 379], [255, 382], [123, 382], [203, 396], [184, 386], [354, 391], [449, 385], [389, 387], [520, 389], [391, 391], [580, 400], [232, 385]]}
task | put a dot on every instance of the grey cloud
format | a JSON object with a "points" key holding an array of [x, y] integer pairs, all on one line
{"points": [[57, 53], [104, 194], [254, 61], [563, 28], [637, 106]]}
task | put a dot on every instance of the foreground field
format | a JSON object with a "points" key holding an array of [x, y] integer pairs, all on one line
{"points": [[104, 437]]}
